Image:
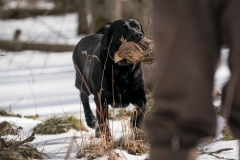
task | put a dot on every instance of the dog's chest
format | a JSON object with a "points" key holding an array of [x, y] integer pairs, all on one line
{"points": [[123, 78]]}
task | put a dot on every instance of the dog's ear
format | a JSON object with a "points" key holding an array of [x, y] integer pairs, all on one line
{"points": [[105, 42], [111, 40]]}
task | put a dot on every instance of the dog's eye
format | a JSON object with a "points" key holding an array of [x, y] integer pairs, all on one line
{"points": [[137, 27], [124, 27]]}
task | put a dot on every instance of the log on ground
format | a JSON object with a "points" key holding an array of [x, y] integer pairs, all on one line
{"points": [[25, 13], [23, 45]]}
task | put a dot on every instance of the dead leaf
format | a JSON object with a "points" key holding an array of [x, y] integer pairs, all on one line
{"points": [[84, 52]]}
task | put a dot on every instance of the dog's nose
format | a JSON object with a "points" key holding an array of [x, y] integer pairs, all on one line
{"points": [[138, 36]]}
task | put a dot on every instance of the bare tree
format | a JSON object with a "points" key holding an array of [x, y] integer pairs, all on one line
{"points": [[142, 14], [83, 12], [139, 10], [1, 4], [104, 11]]}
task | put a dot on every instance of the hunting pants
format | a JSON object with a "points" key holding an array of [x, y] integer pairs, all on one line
{"points": [[188, 35]]}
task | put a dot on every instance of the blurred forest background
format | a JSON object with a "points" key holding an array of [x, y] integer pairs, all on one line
{"points": [[92, 15]]}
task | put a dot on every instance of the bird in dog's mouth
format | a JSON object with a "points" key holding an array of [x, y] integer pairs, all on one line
{"points": [[134, 52]]}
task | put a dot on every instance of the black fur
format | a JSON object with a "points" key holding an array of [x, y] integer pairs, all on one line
{"points": [[100, 71]]}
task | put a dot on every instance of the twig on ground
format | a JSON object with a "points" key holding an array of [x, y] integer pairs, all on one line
{"points": [[28, 139], [213, 153], [69, 148]]}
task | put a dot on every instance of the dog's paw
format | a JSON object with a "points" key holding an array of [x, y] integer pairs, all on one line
{"points": [[91, 121], [138, 102]]}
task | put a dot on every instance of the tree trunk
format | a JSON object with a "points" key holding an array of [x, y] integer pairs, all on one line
{"points": [[1, 4], [104, 11], [139, 10], [142, 15], [83, 12]]}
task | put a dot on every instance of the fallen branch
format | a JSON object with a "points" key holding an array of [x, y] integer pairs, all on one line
{"points": [[23, 45], [3, 125], [24, 13], [213, 153], [222, 150], [28, 139]]}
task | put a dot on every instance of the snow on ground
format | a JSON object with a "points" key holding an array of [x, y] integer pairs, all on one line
{"points": [[57, 29], [43, 4], [33, 82]]}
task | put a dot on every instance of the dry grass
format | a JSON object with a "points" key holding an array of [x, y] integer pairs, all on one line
{"points": [[11, 149], [136, 144], [150, 103], [57, 125], [122, 114], [92, 148], [6, 114], [11, 129], [134, 147], [216, 94], [227, 134], [24, 151]]}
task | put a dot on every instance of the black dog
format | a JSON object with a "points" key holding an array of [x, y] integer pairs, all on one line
{"points": [[116, 84]]}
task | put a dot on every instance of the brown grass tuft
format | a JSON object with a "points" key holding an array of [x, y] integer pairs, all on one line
{"points": [[11, 129], [6, 114], [93, 147], [134, 147], [24, 151], [122, 114], [57, 125]]}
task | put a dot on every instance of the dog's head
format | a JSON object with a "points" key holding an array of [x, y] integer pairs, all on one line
{"points": [[129, 29]]}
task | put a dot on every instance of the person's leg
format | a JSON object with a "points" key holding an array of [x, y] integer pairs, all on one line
{"points": [[231, 33], [187, 49]]}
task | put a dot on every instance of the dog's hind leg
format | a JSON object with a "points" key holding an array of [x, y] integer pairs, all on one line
{"points": [[89, 116]]}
